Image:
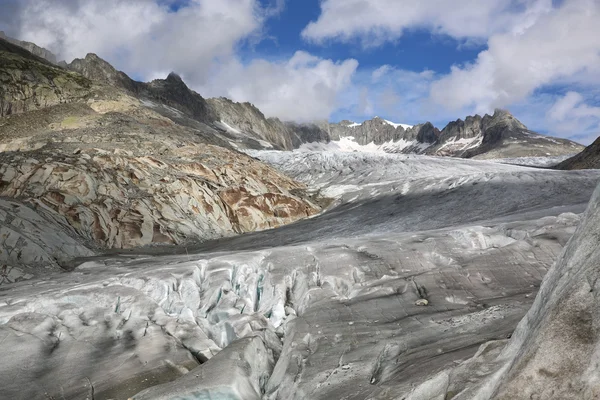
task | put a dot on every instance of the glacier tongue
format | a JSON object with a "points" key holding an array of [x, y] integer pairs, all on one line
{"points": [[418, 262]]}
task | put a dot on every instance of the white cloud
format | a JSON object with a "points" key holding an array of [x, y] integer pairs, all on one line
{"points": [[380, 72], [531, 46], [143, 36], [561, 45], [378, 21], [199, 41], [572, 106], [302, 88], [570, 116], [395, 94]]}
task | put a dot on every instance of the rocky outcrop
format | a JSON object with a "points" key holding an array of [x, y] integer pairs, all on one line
{"points": [[589, 158], [553, 353], [422, 133], [28, 82], [31, 47], [376, 130], [246, 119], [171, 92], [113, 169], [33, 241], [119, 200], [96, 69], [174, 92], [500, 135], [309, 132]]}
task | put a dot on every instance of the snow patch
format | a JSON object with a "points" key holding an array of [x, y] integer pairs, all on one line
{"points": [[395, 125], [349, 144], [227, 127]]}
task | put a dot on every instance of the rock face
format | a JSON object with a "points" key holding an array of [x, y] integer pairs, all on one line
{"points": [[554, 351], [28, 82], [376, 130], [113, 167], [589, 158], [246, 118], [98, 70], [499, 135], [31, 47], [123, 200]]}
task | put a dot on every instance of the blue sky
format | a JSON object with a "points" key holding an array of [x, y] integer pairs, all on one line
{"points": [[304, 60]]}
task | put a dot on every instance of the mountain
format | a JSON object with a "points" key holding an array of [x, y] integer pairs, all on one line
{"points": [[114, 163], [271, 132], [31, 47], [29, 82], [499, 135], [137, 259], [492, 136], [589, 158]]}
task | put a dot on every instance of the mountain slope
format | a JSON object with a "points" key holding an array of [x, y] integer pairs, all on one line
{"points": [[492, 136], [499, 135], [28, 82], [589, 158], [119, 164]]}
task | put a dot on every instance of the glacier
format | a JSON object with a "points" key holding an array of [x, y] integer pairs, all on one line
{"points": [[417, 262]]}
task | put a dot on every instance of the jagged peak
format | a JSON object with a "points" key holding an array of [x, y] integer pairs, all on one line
{"points": [[175, 78], [93, 56], [95, 59]]}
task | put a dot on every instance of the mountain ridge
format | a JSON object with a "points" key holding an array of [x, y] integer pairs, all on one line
{"points": [[499, 135]]}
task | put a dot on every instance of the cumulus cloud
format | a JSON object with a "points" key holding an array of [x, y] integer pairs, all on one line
{"points": [[395, 94], [142, 36], [302, 88], [572, 106], [571, 116], [532, 46], [198, 39], [378, 21], [560, 46]]}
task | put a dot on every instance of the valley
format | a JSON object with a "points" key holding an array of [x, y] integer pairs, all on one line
{"points": [[159, 245]]}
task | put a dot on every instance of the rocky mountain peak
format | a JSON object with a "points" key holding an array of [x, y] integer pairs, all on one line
{"points": [[462, 129], [97, 69], [503, 117], [174, 78], [423, 133]]}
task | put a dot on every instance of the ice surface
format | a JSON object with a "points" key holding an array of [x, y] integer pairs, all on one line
{"points": [[326, 308]]}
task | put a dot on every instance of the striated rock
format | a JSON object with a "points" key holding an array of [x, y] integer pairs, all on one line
{"points": [[248, 120], [32, 241], [113, 170], [553, 353], [118, 200]]}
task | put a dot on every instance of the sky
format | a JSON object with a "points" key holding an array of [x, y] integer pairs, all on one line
{"points": [[403, 60]]}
